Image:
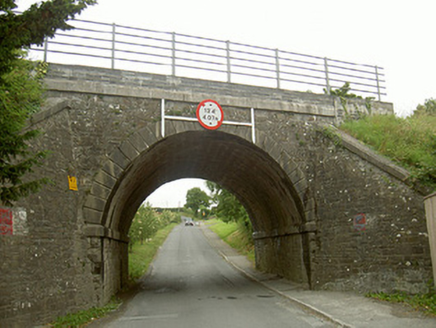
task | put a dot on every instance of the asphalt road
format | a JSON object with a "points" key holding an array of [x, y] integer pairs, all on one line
{"points": [[191, 285]]}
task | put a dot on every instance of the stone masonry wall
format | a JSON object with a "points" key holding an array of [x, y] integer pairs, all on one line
{"points": [[387, 247], [47, 266], [53, 268], [390, 251]]}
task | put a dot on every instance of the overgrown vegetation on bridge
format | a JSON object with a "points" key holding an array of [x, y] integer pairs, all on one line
{"points": [[410, 142]]}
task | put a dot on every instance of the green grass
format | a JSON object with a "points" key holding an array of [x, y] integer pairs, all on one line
{"points": [[421, 302], [410, 142], [142, 255], [233, 235], [222, 229], [79, 319]]}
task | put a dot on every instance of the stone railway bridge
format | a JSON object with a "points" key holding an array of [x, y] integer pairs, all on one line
{"points": [[326, 211]]}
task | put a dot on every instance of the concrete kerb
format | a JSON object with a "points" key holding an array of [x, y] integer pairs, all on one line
{"points": [[306, 307]]}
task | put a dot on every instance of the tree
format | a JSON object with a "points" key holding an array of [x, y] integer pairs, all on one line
{"points": [[196, 199], [429, 108], [229, 209], [167, 217], [21, 88], [144, 225]]}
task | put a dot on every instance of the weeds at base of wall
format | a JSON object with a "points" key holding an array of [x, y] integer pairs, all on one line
{"points": [[425, 303], [81, 318]]}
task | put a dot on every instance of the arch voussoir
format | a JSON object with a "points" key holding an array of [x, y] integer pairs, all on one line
{"points": [[128, 150]]}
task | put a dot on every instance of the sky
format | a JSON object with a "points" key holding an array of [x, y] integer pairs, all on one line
{"points": [[397, 35]]}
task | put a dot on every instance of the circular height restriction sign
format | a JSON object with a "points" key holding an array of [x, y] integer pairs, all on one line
{"points": [[210, 114]]}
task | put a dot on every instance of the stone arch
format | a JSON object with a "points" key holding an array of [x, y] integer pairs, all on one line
{"points": [[263, 177]]}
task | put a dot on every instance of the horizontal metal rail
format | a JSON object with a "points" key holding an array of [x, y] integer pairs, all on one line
{"points": [[169, 53]]}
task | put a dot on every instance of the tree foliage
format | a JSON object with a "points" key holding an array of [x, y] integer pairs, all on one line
{"points": [[41, 20], [147, 222], [428, 108], [20, 96], [144, 224], [196, 200], [229, 209], [21, 88]]}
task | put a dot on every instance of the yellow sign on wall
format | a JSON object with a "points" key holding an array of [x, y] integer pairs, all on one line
{"points": [[72, 183]]}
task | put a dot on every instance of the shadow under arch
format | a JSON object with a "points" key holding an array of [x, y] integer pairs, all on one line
{"points": [[273, 191]]}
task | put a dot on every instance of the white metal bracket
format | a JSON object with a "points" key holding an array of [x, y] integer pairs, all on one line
{"points": [[192, 119]]}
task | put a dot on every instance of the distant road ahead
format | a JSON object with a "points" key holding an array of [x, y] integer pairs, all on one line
{"points": [[192, 286]]}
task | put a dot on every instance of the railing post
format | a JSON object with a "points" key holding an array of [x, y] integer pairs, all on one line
{"points": [[45, 48], [253, 128], [278, 68], [229, 72], [162, 114], [327, 79], [113, 46], [173, 54], [378, 83]]}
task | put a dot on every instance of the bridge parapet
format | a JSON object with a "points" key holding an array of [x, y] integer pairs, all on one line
{"points": [[109, 82], [139, 49]]}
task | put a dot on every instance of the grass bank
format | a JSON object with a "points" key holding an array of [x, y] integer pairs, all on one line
{"points": [[233, 235], [139, 262], [410, 142]]}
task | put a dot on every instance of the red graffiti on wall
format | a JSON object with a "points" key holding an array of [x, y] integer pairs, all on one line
{"points": [[360, 222], [6, 223]]}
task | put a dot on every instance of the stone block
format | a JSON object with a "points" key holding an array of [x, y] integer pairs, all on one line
{"points": [[118, 157], [310, 214], [112, 169], [92, 215], [138, 142], [105, 179], [301, 186], [148, 135], [100, 191], [95, 203], [129, 151], [94, 230]]}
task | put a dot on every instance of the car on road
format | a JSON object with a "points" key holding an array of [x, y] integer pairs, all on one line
{"points": [[189, 223]]}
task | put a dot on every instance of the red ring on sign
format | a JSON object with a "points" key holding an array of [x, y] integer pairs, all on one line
{"points": [[209, 124]]}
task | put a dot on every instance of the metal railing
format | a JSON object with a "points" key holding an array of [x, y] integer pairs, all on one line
{"points": [[122, 47]]}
